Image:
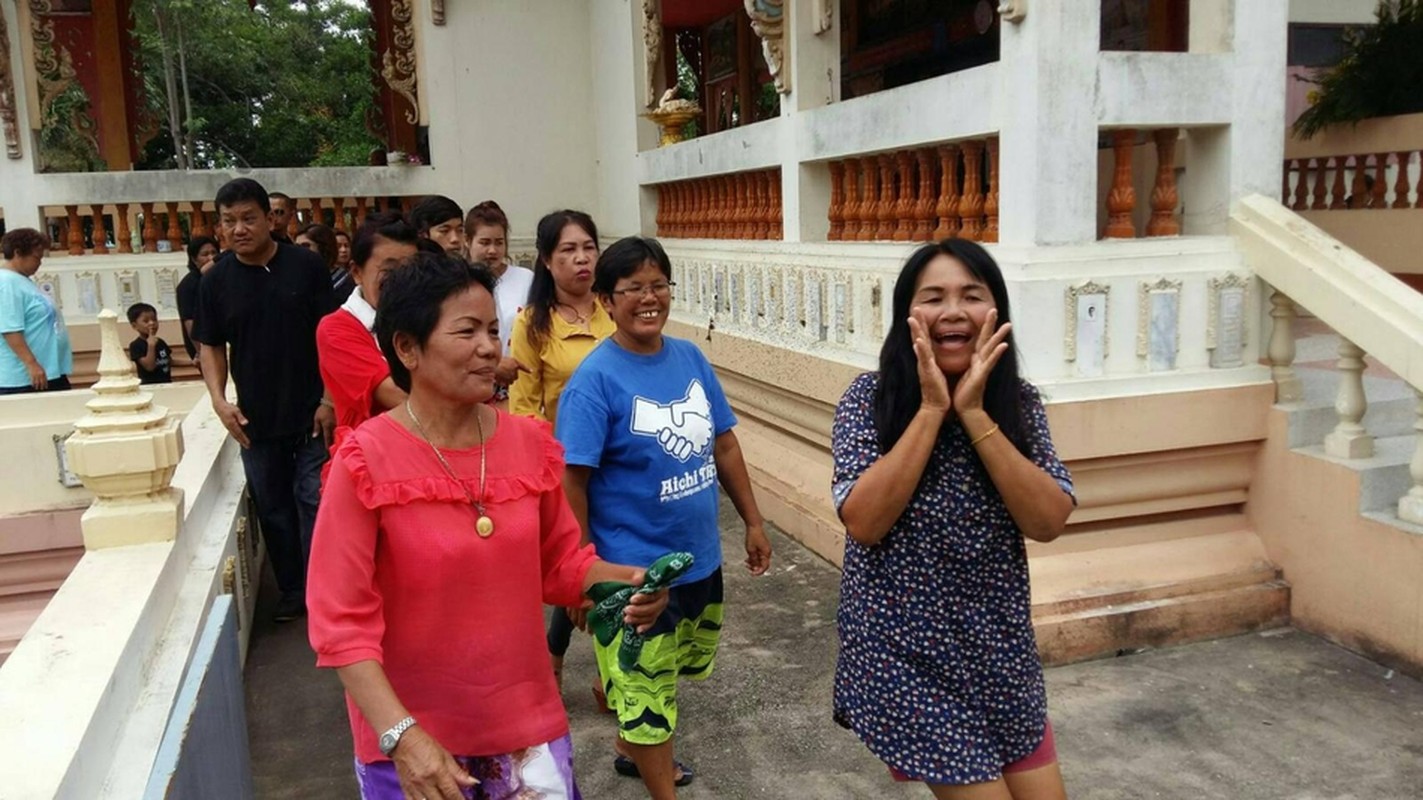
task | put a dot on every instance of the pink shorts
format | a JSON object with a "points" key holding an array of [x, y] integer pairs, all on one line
{"points": [[1041, 757]]}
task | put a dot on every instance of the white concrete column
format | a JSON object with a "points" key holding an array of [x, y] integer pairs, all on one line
{"points": [[1259, 35], [815, 81], [18, 199], [1048, 122], [619, 130]]}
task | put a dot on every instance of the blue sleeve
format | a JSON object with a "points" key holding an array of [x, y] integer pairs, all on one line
{"points": [[1040, 441], [854, 439], [723, 418], [582, 425], [12, 308]]}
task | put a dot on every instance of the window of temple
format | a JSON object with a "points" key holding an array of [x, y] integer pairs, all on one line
{"points": [[1159, 26], [714, 58], [155, 84], [889, 43]]}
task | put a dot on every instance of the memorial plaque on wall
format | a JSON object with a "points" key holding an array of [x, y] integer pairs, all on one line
{"points": [[1158, 335], [128, 290], [1225, 327], [87, 286], [167, 280], [49, 287], [1086, 339]]}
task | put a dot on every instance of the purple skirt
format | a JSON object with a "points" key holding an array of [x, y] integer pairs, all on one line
{"points": [[543, 772]]}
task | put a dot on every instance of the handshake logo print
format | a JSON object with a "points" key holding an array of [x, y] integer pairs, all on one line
{"points": [[683, 427]]}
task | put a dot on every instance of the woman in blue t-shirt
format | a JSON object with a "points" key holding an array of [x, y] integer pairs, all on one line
{"points": [[36, 356], [648, 436]]}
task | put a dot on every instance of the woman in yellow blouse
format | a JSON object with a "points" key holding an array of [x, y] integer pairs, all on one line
{"points": [[561, 325], [563, 320]]}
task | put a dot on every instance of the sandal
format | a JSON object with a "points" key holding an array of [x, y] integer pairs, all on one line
{"points": [[627, 768]]}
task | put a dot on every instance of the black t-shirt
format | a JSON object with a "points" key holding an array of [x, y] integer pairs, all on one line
{"points": [[268, 315], [188, 307], [162, 371]]}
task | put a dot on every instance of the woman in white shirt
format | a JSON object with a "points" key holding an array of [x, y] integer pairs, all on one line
{"points": [[487, 237]]}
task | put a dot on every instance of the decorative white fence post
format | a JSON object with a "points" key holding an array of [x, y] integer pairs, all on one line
{"points": [[1410, 507], [1350, 439], [1288, 388]]}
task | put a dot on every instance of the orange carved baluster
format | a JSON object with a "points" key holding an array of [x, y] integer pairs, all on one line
{"points": [[904, 196], [971, 205], [150, 229], [924, 201], [773, 178], [318, 213], [884, 212], [75, 231], [1339, 194], [1358, 193], [361, 211], [1121, 200], [836, 213], [1400, 186], [761, 216], [101, 234], [947, 207], [851, 212], [990, 200], [1301, 185], [1379, 191], [869, 201], [660, 219], [1321, 192], [1164, 195], [741, 214], [338, 205], [123, 237], [175, 231], [200, 220]]}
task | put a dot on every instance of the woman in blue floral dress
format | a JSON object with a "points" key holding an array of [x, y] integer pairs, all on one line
{"points": [[943, 463]]}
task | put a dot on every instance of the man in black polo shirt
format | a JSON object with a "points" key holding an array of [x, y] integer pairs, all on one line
{"points": [[263, 298]]}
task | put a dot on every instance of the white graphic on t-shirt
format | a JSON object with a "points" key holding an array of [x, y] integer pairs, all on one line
{"points": [[683, 428]]}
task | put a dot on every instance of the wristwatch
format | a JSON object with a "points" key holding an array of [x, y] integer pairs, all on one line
{"points": [[391, 738]]}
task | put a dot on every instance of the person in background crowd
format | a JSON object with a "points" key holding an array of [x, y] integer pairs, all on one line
{"points": [[487, 233], [150, 354], [283, 212], [264, 298], [439, 219], [36, 356], [343, 250], [321, 240], [561, 324], [442, 529], [943, 463], [648, 436], [202, 254], [355, 373]]}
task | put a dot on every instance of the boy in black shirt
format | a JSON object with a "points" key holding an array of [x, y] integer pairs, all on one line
{"points": [[150, 354]]}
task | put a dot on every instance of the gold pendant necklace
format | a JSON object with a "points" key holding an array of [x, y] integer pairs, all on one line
{"points": [[484, 526]]}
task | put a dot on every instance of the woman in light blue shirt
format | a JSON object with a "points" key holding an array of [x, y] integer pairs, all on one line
{"points": [[36, 356]]}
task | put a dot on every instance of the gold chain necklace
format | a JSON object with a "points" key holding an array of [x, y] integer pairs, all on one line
{"points": [[484, 526], [579, 318]]}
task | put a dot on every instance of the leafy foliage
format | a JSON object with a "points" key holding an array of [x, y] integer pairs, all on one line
{"points": [[1380, 75], [288, 84]]}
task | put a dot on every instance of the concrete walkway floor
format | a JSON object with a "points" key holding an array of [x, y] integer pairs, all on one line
{"points": [[1274, 715]]}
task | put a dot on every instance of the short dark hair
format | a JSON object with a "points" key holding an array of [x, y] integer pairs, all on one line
{"points": [[23, 242], [279, 196], [241, 190], [387, 225], [626, 256], [139, 309], [410, 299], [324, 238], [486, 213], [433, 210]]}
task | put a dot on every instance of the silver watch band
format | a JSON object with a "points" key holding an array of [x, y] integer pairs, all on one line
{"points": [[391, 738]]}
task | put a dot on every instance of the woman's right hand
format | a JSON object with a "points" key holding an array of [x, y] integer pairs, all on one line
{"points": [[933, 386], [507, 370], [38, 380], [427, 770]]}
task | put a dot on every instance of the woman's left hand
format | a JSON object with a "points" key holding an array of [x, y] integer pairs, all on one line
{"points": [[991, 345], [643, 609], [758, 550]]}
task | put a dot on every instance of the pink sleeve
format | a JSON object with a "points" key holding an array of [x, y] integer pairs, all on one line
{"points": [[346, 623], [565, 562]]}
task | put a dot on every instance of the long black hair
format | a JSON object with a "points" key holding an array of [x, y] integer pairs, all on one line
{"points": [[196, 246], [899, 392], [543, 294]]}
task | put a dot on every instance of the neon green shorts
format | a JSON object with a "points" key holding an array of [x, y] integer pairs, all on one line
{"points": [[682, 644]]}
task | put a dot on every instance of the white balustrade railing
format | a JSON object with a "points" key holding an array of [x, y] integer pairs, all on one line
{"points": [[1372, 312]]}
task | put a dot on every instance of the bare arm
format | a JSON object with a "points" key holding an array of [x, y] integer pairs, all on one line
{"points": [[731, 472], [1037, 504], [214, 361], [885, 489], [575, 488], [16, 340], [387, 395]]}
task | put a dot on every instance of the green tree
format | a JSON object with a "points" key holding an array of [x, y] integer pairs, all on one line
{"points": [[287, 84], [1380, 75]]}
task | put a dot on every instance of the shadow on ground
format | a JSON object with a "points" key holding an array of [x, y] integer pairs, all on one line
{"points": [[1276, 715]]}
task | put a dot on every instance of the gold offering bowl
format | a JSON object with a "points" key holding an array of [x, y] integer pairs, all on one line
{"points": [[671, 122]]}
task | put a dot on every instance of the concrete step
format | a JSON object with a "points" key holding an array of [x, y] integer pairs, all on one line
{"points": [[1383, 477], [1392, 407], [1153, 587]]}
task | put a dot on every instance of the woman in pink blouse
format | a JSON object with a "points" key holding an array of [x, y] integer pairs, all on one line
{"points": [[443, 530]]}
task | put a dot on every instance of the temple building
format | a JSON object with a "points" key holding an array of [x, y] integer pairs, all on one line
{"points": [[1235, 390]]}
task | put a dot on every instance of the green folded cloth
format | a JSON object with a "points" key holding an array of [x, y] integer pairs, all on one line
{"points": [[611, 597]]}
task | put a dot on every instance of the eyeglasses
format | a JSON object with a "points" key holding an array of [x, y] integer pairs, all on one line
{"points": [[638, 292]]}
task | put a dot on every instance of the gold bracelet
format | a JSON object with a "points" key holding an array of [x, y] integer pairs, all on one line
{"points": [[991, 431]]}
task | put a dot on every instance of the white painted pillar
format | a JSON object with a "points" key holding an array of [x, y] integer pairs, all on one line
{"points": [[1259, 35], [814, 65], [1288, 388], [1048, 121], [17, 176]]}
